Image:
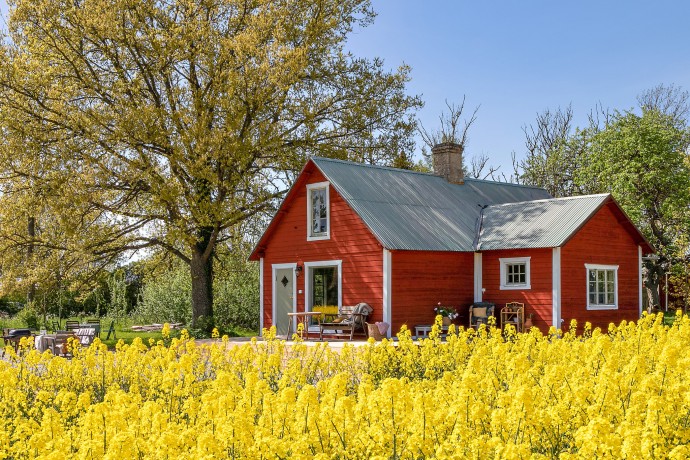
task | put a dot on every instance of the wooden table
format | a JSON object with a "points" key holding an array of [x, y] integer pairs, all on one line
{"points": [[302, 317]]}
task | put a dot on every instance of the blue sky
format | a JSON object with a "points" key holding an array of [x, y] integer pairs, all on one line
{"points": [[517, 58]]}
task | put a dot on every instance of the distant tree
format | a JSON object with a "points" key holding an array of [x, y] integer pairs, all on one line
{"points": [[642, 160], [451, 128], [174, 122], [670, 100], [554, 153]]}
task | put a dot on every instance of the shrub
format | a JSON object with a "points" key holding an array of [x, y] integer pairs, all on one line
{"points": [[167, 297]]}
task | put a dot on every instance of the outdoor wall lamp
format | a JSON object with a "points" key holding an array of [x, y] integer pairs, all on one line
{"points": [[298, 270]]}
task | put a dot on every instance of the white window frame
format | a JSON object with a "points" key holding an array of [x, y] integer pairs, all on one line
{"points": [[505, 261], [589, 267], [321, 236], [308, 266]]}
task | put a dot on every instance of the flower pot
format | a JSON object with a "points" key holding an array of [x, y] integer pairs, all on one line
{"points": [[528, 323], [446, 321]]}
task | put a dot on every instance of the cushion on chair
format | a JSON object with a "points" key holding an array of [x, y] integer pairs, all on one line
{"points": [[479, 312]]}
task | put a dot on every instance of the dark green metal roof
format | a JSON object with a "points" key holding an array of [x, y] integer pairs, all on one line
{"points": [[536, 224], [408, 210]]}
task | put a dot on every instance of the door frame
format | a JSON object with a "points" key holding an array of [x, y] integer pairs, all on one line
{"points": [[275, 267], [319, 264]]}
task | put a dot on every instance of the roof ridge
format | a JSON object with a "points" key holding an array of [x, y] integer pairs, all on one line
{"points": [[544, 200], [429, 174], [367, 165], [498, 182]]}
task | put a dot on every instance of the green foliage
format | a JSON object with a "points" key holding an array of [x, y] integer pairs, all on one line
{"points": [[236, 290], [167, 297], [642, 161], [170, 124], [29, 317], [166, 292], [118, 295]]}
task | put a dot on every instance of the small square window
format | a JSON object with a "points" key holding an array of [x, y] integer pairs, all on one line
{"points": [[515, 273]]}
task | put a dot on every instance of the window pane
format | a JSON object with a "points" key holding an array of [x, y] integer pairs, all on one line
{"points": [[324, 286], [319, 211], [516, 274], [600, 298], [592, 276], [592, 297], [610, 298]]}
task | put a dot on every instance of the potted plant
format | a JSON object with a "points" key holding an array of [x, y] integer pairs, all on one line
{"points": [[447, 313], [528, 321]]}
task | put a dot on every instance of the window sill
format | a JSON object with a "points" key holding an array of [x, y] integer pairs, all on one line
{"points": [[319, 238], [521, 287], [602, 307]]}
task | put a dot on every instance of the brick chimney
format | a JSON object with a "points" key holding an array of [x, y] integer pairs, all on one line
{"points": [[447, 160]]}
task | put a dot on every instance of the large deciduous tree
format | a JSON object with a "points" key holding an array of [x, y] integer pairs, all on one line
{"points": [[175, 121]]}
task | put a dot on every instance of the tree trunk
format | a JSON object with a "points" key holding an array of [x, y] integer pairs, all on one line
{"points": [[31, 231], [201, 265], [651, 284]]}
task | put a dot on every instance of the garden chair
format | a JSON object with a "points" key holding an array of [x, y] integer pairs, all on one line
{"points": [[85, 335], [71, 325], [60, 346], [480, 313], [349, 320], [96, 324], [56, 326]]}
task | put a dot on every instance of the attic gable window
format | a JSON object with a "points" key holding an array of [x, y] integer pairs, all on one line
{"points": [[515, 273], [318, 212], [602, 287]]}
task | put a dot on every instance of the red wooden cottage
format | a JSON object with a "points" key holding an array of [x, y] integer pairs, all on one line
{"points": [[403, 241]]}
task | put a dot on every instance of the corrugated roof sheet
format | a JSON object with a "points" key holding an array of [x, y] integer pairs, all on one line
{"points": [[408, 210], [536, 224]]}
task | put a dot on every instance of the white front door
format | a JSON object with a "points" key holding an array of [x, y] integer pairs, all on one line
{"points": [[284, 298]]}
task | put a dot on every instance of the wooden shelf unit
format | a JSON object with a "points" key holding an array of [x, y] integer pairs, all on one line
{"points": [[513, 313]]}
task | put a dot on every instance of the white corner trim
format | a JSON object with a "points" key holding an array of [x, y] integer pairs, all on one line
{"points": [[504, 261], [307, 279], [639, 274], [589, 267], [556, 287], [310, 187], [387, 289], [275, 267], [261, 296], [478, 277]]}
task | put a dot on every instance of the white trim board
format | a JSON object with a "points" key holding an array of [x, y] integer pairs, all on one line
{"points": [[478, 277], [556, 287], [387, 289], [261, 296]]}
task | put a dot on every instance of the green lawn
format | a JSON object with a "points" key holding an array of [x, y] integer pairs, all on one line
{"points": [[122, 330]]}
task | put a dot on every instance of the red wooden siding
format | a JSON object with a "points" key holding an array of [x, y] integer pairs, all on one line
{"points": [[538, 299], [602, 240], [350, 241], [422, 279]]}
